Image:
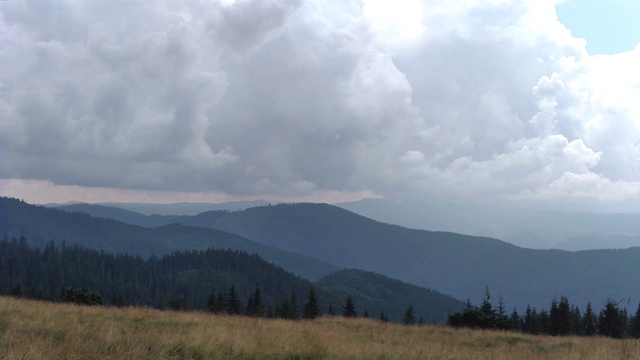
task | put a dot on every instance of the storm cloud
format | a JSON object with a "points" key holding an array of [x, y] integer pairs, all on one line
{"points": [[470, 99]]}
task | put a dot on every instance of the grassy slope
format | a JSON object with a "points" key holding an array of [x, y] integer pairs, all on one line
{"points": [[36, 330]]}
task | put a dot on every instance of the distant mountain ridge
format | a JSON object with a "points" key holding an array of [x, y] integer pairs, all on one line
{"points": [[451, 263], [536, 229], [370, 291], [40, 225]]}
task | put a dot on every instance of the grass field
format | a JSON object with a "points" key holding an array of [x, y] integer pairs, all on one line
{"points": [[37, 330]]}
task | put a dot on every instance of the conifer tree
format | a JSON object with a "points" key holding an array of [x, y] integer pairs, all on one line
{"points": [[311, 309], [529, 321], [560, 317], [421, 321], [365, 314], [634, 330], [409, 317], [383, 317], [576, 321], [233, 306], [349, 310], [589, 322], [255, 306], [211, 302], [611, 321], [293, 308], [516, 321]]}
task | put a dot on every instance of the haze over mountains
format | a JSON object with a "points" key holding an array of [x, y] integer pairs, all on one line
{"points": [[535, 229], [455, 264]]}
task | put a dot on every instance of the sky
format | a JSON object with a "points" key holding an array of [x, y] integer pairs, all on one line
{"points": [[518, 101]]}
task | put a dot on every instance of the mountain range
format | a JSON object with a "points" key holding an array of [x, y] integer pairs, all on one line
{"points": [[455, 264]]}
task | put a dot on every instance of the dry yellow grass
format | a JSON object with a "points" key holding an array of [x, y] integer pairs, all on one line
{"points": [[35, 330]]}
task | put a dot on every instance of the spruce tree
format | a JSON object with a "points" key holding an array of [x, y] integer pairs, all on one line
{"points": [[255, 306], [311, 309], [233, 305], [611, 321], [293, 308], [589, 322], [211, 302], [383, 317], [634, 330], [529, 321], [349, 310], [576, 321], [409, 317], [516, 321]]}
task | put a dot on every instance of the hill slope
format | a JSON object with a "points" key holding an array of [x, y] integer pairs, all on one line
{"points": [[191, 276], [454, 264], [451, 263], [40, 225]]}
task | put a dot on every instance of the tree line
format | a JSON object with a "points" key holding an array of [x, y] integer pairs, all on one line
{"points": [[218, 281], [561, 319]]}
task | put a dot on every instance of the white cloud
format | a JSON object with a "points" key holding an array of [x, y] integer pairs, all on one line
{"points": [[472, 98]]}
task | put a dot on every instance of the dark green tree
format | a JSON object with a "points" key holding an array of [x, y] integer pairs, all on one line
{"points": [[255, 306], [293, 307], [488, 316], [560, 317], [576, 321], [365, 314], [611, 321], [211, 302], [311, 309], [529, 321], [383, 317], [82, 296], [233, 306], [589, 322], [516, 321], [409, 316], [634, 328], [349, 309]]}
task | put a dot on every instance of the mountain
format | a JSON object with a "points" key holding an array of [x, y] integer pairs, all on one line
{"points": [[186, 279], [41, 224], [115, 213], [376, 293], [185, 208], [455, 264], [539, 229]]}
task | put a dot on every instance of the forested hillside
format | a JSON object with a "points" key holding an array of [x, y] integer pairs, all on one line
{"points": [[40, 225], [451, 263], [204, 280], [454, 264]]}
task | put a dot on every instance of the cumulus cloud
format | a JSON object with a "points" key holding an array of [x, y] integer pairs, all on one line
{"points": [[482, 99]]}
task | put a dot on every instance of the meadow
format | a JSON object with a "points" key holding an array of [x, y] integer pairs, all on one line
{"points": [[40, 330]]}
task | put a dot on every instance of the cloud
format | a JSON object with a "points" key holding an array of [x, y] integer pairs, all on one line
{"points": [[482, 99]]}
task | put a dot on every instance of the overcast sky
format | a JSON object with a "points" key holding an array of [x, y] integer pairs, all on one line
{"points": [[165, 101]]}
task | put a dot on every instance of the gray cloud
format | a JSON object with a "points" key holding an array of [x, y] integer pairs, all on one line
{"points": [[294, 97]]}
